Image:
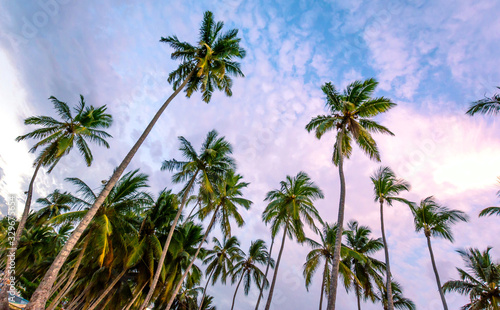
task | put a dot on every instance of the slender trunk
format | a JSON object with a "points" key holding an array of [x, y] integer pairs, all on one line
{"points": [[11, 255], [445, 306], [205, 289], [71, 279], [40, 296], [167, 243], [340, 226], [323, 282], [358, 297], [271, 289], [237, 287], [107, 290], [136, 296], [62, 279], [178, 287], [265, 275], [388, 286], [188, 218], [76, 301]]}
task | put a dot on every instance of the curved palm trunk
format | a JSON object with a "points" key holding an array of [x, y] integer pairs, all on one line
{"points": [[237, 287], [136, 296], [40, 296], [152, 287], [205, 289], [445, 306], [271, 290], [107, 290], [358, 297], [11, 256], [178, 287], [388, 287], [71, 279], [265, 275], [323, 282], [340, 224]]}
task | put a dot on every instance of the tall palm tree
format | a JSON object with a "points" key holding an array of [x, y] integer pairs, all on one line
{"points": [[324, 251], [400, 302], [488, 105], [248, 268], [207, 66], [290, 207], [212, 161], [223, 201], [366, 271], [386, 188], [56, 139], [481, 280], [265, 274], [435, 220], [220, 261], [349, 113]]}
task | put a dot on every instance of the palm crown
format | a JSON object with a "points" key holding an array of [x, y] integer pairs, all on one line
{"points": [[220, 259], [435, 220], [350, 114], [488, 105], [386, 186], [208, 64], [59, 137]]}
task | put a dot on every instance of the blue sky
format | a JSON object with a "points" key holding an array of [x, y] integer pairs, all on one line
{"points": [[431, 57]]}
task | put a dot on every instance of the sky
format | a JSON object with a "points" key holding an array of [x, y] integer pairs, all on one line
{"points": [[433, 58]]}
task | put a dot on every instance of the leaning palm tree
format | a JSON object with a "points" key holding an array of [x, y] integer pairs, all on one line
{"points": [[212, 161], [435, 220], [248, 268], [366, 271], [290, 207], [481, 281], [488, 105], [56, 139], [220, 261], [207, 66], [223, 201], [324, 251], [350, 115], [400, 302], [386, 187]]}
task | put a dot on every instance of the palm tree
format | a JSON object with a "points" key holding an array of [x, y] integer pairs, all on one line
{"points": [[386, 187], [350, 115], [213, 161], [57, 138], [265, 274], [435, 220], [488, 105], [400, 302], [220, 261], [53, 205], [247, 268], [223, 201], [366, 271], [481, 281], [206, 66], [290, 207], [324, 251]]}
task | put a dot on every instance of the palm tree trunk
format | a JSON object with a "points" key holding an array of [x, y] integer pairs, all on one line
{"points": [[358, 297], [62, 279], [236, 291], [40, 296], [11, 256], [388, 286], [265, 275], [340, 225], [271, 289], [137, 294], [178, 287], [205, 289], [107, 290], [167, 243], [445, 306], [323, 282], [71, 279]]}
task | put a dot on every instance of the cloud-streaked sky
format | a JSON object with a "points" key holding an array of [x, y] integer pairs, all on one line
{"points": [[431, 57]]}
